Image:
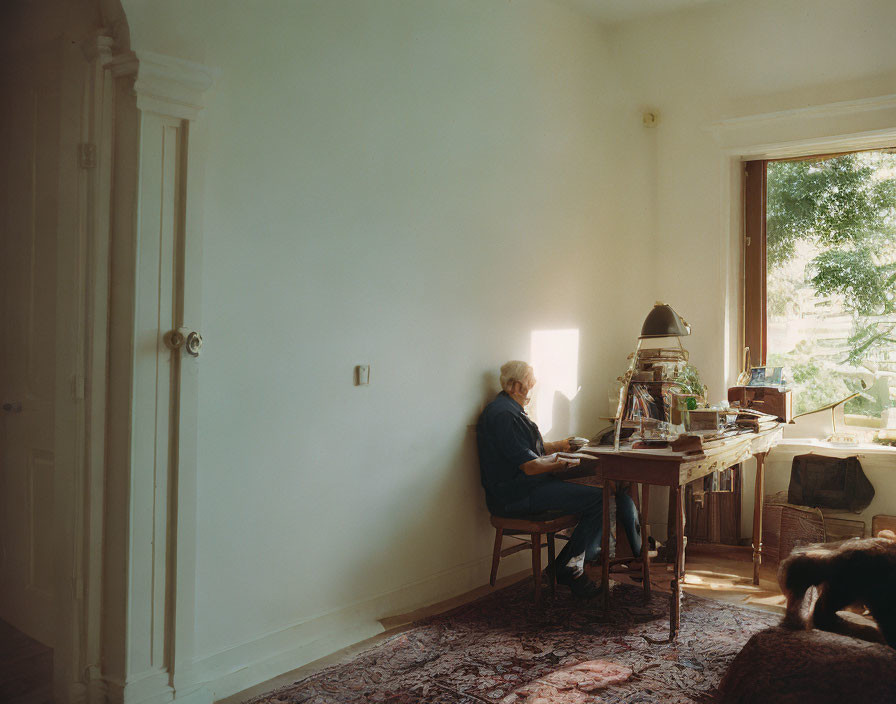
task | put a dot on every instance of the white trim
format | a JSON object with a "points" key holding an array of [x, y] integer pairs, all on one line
{"points": [[840, 126], [150, 505], [79, 412], [190, 283], [875, 139], [97, 128], [804, 444], [846, 107], [198, 696], [149, 687], [165, 85]]}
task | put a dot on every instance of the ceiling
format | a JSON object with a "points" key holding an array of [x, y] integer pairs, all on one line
{"points": [[616, 11]]}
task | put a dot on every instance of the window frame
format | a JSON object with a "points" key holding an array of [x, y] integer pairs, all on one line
{"points": [[755, 263]]}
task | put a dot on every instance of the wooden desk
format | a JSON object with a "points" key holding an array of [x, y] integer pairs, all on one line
{"points": [[663, 467]]}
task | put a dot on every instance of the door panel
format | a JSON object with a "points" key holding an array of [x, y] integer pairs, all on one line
{"points": [[30, 134], [40, 528], [156, 390]]}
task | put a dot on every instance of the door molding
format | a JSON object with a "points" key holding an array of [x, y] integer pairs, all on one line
{"points": [[148, 575], [89, 380]]}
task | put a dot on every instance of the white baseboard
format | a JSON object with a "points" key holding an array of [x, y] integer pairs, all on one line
{"points": [[152, 689], [199, 696], [149, 687], [256, 661]]}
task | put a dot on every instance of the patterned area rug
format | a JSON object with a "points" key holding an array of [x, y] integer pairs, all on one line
{"points": [[502, 648]]}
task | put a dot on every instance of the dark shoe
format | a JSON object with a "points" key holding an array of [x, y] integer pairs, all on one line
{"points": [[580, 586]]}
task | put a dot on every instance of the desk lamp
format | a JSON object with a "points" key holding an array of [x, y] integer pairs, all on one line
{"points": [[662, 321]]}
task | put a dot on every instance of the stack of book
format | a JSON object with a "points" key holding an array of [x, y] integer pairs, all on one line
{"points": [[757, 421]]}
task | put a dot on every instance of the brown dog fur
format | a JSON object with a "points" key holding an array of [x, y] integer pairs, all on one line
{"points": [[857, 571]]}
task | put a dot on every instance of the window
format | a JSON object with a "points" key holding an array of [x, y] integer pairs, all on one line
{"points": [[820, 286]]}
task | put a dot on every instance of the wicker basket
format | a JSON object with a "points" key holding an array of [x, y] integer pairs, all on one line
{"points": [[786, 526]]}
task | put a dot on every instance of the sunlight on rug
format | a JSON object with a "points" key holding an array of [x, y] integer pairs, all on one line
{"points": [[503, 649], [570, 684]]}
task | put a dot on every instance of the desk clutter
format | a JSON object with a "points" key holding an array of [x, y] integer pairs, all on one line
{"points": [[772, 400], [662, 401], [703, 429], [654, 384]]}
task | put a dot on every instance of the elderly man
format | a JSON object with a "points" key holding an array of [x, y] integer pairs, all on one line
{"points": [[516, 466]]}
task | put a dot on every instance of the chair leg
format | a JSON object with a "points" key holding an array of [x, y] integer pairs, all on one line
{"points": [[552, 568], [645, 533], [496, 555], [536, 564]]}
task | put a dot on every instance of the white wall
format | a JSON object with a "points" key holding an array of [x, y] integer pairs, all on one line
{"points": [[413, 185], [736, 60], [419, 186]]}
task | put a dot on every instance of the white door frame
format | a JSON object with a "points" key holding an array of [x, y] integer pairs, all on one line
{"points": [[148, 576], [127, 617]]}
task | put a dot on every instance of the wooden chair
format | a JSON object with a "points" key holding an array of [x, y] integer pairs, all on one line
{"points": [[533, 526]]}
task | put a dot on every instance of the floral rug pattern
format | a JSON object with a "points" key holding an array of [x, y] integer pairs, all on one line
{"points": [[503, 649]]}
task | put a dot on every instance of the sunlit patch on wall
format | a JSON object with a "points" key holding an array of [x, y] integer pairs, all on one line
{"points": [[555, 356]]}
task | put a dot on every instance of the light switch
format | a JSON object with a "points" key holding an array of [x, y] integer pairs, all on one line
{"points": [[362, 375]]}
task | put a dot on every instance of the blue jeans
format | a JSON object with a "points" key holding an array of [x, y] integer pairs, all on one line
{"points": [[566, 497]]}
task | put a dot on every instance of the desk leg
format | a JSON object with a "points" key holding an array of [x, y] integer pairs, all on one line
{"points": [[757, 514], [552, 559], [645, 547], [605, 547], [536, 565], [678, 574], [671, 523]]}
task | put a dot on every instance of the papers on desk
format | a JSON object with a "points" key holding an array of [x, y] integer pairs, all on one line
{"points": [[627, 449], [690, 446]]}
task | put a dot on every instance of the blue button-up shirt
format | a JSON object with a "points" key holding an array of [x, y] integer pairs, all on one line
{"points": [[507, 438]]}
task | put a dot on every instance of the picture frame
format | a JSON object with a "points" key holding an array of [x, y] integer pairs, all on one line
{"points": [[766, 376]]}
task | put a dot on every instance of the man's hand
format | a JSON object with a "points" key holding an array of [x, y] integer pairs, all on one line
{"points": [[549, 463], [558, 446]]}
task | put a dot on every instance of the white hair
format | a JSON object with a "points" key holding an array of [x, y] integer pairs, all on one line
{"points": [[515, 370]]}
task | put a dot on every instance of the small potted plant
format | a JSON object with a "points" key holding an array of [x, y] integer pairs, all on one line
{"points": [[691, 392]]}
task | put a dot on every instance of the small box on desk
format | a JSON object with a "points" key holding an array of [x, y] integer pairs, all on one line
{"points": [[679, 405], [703, 419], [768, 399]]}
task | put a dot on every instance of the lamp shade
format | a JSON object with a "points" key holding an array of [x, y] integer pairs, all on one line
{"points": [[662, 321]]}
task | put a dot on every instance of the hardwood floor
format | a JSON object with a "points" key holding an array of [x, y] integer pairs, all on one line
{"points": [[26, 668], [721, 572]]}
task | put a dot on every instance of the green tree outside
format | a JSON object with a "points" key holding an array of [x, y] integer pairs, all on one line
{"points": [[831, 229]]}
